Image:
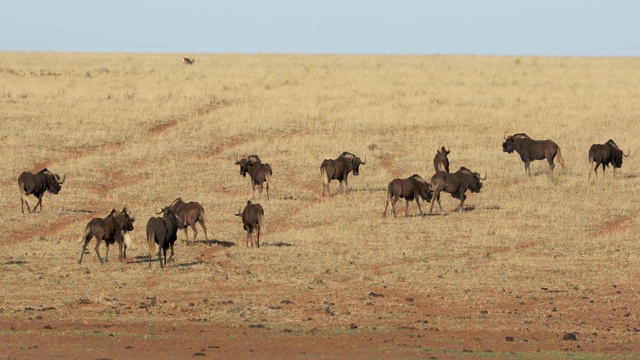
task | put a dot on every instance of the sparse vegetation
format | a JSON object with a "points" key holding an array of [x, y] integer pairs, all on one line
{"points": [[543, 256]]}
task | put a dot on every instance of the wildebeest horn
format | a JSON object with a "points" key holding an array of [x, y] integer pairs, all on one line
{"points": [[505, 135], [160, 212], [627, 154], [363, 162], [239, 213], [485, 175], [63, 178]]}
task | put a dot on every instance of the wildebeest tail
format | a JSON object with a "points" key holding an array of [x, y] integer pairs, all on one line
{"points": [[127, 240], [560, 159], [151, 243], [325, 177], [86, 234]]}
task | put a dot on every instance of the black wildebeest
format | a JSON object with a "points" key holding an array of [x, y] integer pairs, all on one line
{"points": [[36, 185], [162, 231], [252, 219], [187, 61], [456, 184], [339, 169], [259, 173], [110, 229], [605, 154], [441, 161], [189, 214], [410, 188], [530, 150]]}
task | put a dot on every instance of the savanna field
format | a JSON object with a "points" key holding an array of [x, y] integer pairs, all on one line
{"points": [[541, 266]]}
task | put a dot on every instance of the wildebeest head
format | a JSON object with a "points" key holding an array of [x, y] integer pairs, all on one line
{"points": [[441, 161], [512, 141], [125, 220], [355, 161], [476, 180], [245, 163], [616, 154]]}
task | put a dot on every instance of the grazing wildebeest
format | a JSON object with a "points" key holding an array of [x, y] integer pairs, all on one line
{"points": [[162, 231], [339, 169], [110, 229], [259, 173], [252, 219], [36, 185], [456, 184], [605, 154], [187, 61], [410, 188], [530, 150], [440, 161], [189, 214]]}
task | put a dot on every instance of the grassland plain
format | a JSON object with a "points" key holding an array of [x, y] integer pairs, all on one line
{"points": [[530, 260]]}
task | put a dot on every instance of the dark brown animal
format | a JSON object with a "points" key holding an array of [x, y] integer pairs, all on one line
{"points": [[110, 229], [187, 61], [259, 173], [162, 231], [252, 219], [456, 184], [339, 169], [441, 161], [409, 189], [605, 154], [189, 214], [36, 185], [530, 150]]}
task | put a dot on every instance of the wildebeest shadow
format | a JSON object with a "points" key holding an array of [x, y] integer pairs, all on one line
{"points": [[216, 242], [15, 262], [630, 176], [278, 244]]}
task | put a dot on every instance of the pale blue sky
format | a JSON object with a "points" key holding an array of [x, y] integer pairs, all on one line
{"points": [[491, 27]]}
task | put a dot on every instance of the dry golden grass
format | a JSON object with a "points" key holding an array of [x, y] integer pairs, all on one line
{"points": [[141, 130]]}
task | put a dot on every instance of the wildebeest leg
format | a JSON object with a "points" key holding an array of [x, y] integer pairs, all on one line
{"points": [[120, 248], [186, 235], [106, 256], [386, 205], [23, 201], [551, 164], [87, 238], [170, 257], [246, 244], [195, 233], [97, 248], [436, 197], [204, 227], [163, 252], [406, 207], [418, 202], [461, 206], [258, 237], [39, 203]]}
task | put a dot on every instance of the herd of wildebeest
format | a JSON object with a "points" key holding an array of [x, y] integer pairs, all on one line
{"points": [[180, 215]]}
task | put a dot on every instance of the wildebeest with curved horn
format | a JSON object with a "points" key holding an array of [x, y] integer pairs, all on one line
{"points": [[409, 189], [252, 219], [162, 231], [187, 61], [530, 150], [456, 184], [259, 173], [189, 214], [339, 169], [110, 229], [605, 154], [441, 161], [36, 185]]}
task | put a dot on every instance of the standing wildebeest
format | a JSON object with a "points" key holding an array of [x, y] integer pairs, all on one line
{"points": [[253, 219], [110, 229], [162, 231], [456, 184], [187, 61], [339, 169], [37, 185], [410, 188], [440, 161], [189, 214], [530, 149], [605, 154], [259, 173]]}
